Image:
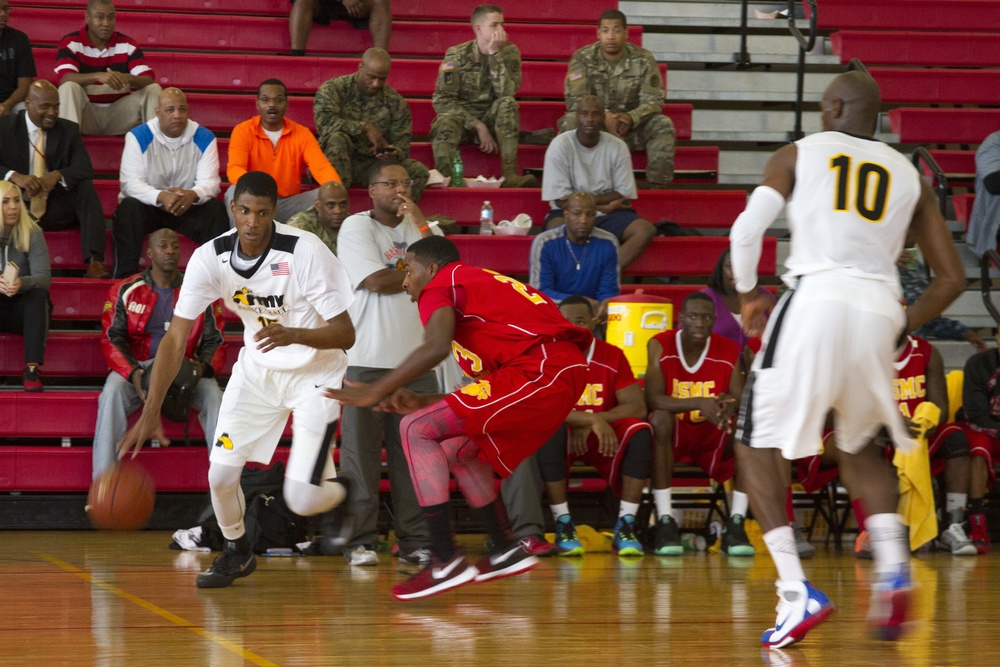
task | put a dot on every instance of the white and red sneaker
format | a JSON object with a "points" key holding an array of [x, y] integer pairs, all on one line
{"points": [[978, 533], [436, 578], [800, 609], [891, 595]]}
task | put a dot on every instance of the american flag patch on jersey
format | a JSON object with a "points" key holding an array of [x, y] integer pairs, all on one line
{"points": [[279, 269]]}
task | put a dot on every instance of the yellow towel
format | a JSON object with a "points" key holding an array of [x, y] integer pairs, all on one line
{"points": [[916, 496], [954, 381]]}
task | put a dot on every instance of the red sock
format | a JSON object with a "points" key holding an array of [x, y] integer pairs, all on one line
{"points": [[859, 513], [789, 506]]}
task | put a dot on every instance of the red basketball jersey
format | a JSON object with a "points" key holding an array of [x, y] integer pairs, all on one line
{"points": [[710, 374], [909, 389], [497, 318], [607, 371]]}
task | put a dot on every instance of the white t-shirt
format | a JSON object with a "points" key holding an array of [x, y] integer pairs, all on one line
{"points": [[850, 210], [296, 282], [388, 325], [571, 166]]}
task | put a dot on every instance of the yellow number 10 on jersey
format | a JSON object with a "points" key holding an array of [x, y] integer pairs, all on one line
{"points": [[869, 183]]}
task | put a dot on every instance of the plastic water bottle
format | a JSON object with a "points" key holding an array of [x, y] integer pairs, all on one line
{"points": [[457, 175], [486, 219]]}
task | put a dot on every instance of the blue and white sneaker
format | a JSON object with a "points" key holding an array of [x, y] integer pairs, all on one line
{"points": [[800, 608], [567, 541], [891, 595], [625, 542]]}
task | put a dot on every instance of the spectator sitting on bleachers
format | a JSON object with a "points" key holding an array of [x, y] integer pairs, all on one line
{"points": [[914, 279], [474, 98], [722, 290], [326, 216], [105, 84], [607, 430], [372, 247], [693, 388], [44, 156], [594, 161], [361, 120], [278, 146], [376, 15], [18, 67], [169, 178], [984, 221], [577, 259], [981, 411], [136, 316], [24, 285], [628, 79]]}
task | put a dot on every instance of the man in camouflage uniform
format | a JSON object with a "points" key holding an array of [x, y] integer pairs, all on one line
{"points": [[628, 79], [474, 98], [360, 120], [326, 216]]}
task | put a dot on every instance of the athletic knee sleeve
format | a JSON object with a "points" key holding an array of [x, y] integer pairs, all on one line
{"points": [[227, 499], [309, 499], [638, 454], [955, 446]]}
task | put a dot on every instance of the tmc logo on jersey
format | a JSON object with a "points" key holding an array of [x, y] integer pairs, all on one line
{"points": [[271, 305]]}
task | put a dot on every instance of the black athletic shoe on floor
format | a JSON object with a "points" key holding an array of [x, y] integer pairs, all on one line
{"points": [[229, 566]]}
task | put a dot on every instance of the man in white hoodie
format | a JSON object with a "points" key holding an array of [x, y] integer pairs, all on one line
{"points": [[169, 178]]}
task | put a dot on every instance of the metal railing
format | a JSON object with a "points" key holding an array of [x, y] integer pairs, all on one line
{"points": [[921, 154], [742, 58], [805, 45]]}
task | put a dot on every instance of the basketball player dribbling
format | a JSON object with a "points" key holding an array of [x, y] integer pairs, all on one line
{"points": [[829, 344]]}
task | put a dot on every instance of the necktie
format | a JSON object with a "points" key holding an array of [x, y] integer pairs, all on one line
{"points": [[39, 201]]}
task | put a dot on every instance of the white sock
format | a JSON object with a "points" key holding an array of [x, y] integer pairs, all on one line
{"points": [[559, 510], [624, 508], [664, 504], [890, 540], [781, 543], [741, 502], [954, 506]]}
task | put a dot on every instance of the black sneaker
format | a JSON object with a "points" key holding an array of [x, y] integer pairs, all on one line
{"points": [[668, 538], [336, 527], [234, 562], [734, 538], [506, 562]]}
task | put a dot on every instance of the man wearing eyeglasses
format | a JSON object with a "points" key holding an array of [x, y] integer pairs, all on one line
{"points": [[372, 246], [271, 143], [17, 64]]}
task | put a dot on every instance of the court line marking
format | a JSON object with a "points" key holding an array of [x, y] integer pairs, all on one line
{"points": [[162, 613]]}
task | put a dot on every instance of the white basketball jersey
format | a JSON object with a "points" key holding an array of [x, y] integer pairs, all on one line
{"points": [[296, 282], [851, 207]]}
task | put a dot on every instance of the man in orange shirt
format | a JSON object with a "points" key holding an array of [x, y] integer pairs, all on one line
{"points": [[273, 144]]}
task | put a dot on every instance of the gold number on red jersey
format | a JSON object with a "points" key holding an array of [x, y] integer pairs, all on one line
{"points": [[869, 183], [475, 363], [519, 287]]}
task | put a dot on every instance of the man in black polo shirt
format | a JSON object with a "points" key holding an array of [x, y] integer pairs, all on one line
{"points": [[17, 64]]}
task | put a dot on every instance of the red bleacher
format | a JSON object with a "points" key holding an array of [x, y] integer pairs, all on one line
{"points": [[260, 34], [304, 74], [941, 86], [963, 207], [941, 49], [691, 163], [907, 14], [916, 125], [584, 11]]}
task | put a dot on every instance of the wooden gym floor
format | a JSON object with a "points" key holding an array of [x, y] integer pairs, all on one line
{"points": [[84, 598]]}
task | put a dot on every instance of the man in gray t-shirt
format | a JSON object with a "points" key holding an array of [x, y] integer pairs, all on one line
{"points": [[372, 245], [591, 160]]}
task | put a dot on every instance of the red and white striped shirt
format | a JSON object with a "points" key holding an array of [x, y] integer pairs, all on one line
{"points": [[122, 54]]}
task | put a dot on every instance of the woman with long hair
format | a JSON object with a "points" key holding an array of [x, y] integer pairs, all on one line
{"points": [[722, 289], [25, 280]]}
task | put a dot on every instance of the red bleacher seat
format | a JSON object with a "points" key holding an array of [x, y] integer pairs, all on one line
{"points": [[940, 49], [941, 86], [78, 354], [269, 34], [690, 208], [584, 11], [692, 163], [237, 71], [916, 125], [963, 207], [666, 256], [907, 14], [958, 166]]}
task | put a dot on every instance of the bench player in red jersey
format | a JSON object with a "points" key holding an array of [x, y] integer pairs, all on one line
{"points": [[607, 430], [919, 378], [530, 369], [693, 388]]}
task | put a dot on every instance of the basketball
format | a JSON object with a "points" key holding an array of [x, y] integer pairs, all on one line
{"points": [[121, 498]]}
